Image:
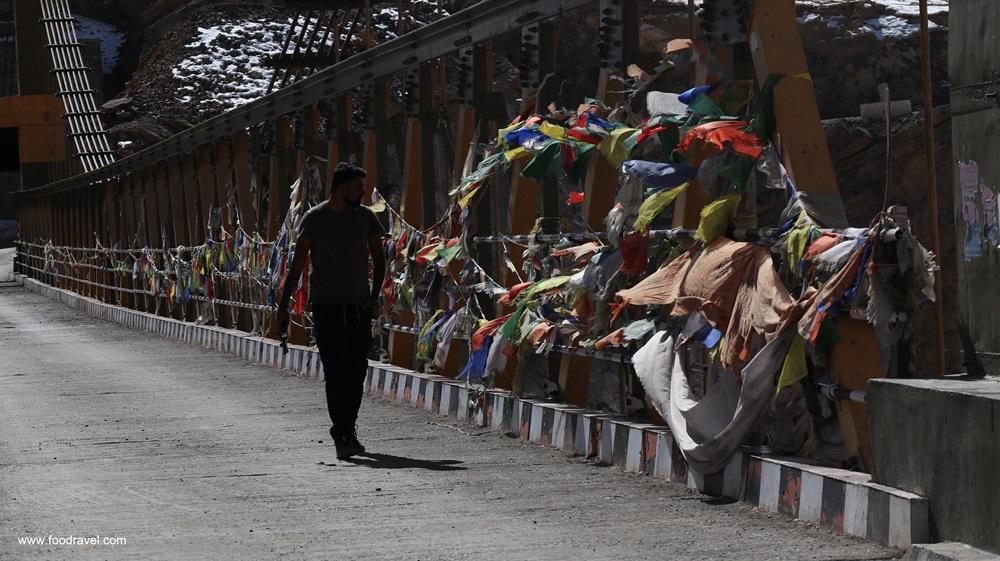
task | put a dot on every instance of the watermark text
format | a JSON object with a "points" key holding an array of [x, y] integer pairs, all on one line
{"points": [[50, 539]]}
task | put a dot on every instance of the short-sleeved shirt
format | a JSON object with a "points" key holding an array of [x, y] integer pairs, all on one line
{"points": [[339, 253]]}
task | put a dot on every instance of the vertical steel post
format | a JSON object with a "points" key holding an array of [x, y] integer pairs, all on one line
{"points": [[932, 192]]}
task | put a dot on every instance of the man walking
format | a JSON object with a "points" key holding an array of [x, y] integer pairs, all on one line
{"points": [[340, 234]]}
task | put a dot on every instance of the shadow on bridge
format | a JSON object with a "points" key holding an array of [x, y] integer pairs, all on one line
{"points": [[388, 461]]}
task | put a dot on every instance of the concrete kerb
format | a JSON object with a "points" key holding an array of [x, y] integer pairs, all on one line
{"points": [[844, 501], [948, 551]]}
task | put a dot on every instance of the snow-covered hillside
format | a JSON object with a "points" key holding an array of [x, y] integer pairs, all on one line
{"points": [[902, 7], [227, 62], [886, 26], [225, 65]]}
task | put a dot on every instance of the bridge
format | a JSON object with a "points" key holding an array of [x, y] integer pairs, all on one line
{"points": [[189, 453], [180, 428]]}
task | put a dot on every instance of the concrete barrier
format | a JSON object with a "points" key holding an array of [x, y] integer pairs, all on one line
{"points": [[941, 439], [7, 264], [948, 551]]}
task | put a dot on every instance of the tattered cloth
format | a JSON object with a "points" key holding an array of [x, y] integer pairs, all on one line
{"points": [[733, 284], [709, 429]]}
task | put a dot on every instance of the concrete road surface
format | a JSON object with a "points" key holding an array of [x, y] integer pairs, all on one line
{"points": [[185, 453]]}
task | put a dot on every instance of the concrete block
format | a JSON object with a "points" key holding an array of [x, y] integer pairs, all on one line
{"points": [[498, 413], [940, 439], [662, 463], [535, 426], [948, 551], [429, 390], [877, 110], [770, 486], [633, 452]]}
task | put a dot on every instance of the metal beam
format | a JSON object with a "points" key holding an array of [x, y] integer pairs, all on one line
{"points": [[467, 27]]}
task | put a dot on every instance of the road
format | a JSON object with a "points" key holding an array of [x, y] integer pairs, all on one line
{"points": [[192, 454]]}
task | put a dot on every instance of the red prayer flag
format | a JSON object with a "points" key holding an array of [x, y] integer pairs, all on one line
{"points": [[635, 250], [723, 134]]}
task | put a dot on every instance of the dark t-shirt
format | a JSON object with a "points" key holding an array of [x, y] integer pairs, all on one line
{"points": [[339, 253]]}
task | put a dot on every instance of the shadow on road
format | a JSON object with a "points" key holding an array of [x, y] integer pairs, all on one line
{"points": [[388, 461]]}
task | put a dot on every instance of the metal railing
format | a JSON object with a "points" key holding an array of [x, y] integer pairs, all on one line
{"points": [[89, 139]]}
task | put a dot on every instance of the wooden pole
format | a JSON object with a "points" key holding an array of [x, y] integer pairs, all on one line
{"points": [[692, 26], [776, 48]]}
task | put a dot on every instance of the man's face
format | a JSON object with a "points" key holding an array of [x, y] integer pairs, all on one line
{"points": [[354, 191]]}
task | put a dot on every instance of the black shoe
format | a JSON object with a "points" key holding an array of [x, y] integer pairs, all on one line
{"points": [[345, 447], [357, 444]]}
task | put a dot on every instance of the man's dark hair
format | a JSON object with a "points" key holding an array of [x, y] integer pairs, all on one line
{"points": [[345, 173]]}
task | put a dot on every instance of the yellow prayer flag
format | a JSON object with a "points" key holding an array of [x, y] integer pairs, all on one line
{"points": [[615, 146], [552, 131], [519, 152], [503, 133], [654, 205], [715, 217]]}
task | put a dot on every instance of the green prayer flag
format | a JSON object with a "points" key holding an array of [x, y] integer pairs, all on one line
{"points": [[705, 106], [540, 165], [737, 171], [543, 286], [511, 327]]}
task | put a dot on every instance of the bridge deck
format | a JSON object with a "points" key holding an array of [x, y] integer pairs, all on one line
{"points": [[191, 454]]}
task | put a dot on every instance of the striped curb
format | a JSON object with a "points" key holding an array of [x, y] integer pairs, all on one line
{"points": [[845, 501]]}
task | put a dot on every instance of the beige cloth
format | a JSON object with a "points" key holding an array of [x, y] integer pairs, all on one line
{"points": [[733, 284]]}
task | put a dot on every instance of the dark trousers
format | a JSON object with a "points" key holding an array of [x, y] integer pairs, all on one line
{"points": [[343, 334]]}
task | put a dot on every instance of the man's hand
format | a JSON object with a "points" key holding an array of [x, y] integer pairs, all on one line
{"points": [[283, 319], [375, 312]]}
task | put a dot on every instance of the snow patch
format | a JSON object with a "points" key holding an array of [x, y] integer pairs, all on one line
{"points": [[111, 39], [387, 19], [901, 7], [891, 27], [912, 7], [228, 61], [832, 22]]}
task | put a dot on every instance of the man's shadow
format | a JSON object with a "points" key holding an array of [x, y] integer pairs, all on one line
{"points": [[388, 461]]}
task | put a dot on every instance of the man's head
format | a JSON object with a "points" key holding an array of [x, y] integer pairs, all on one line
{"points": [[348, 184]]}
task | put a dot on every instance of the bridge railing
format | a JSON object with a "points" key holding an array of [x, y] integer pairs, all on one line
{"points": [[222, 188]]}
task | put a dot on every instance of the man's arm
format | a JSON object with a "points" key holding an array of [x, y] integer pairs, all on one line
{"points": [[302, 247], [378, 268]]}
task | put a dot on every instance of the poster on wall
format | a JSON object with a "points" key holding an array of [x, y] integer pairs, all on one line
{"points": [[968, 178]]}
